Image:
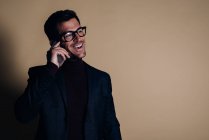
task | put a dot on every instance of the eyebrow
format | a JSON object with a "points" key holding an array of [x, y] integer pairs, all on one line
{"points": [[69, 31]]}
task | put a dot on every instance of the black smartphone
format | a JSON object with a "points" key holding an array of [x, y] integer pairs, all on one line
{"points": [[60, 59], [52, 44]]}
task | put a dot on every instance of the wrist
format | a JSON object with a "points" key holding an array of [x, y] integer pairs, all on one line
{"points": [[52, 67]]}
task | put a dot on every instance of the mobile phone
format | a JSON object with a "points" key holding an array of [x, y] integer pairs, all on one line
{"points": [[53, 43], [59, 57]]}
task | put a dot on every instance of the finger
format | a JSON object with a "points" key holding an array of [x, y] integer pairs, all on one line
{"points": [[61, 50], [62, 56], [68, 56], [55, 45]]}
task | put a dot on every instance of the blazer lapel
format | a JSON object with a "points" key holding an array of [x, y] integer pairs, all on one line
{"points": [[62, 88], [91, 85], [90, 79]]}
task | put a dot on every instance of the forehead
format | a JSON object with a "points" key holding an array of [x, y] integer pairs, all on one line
{"points": [[70, 25]]}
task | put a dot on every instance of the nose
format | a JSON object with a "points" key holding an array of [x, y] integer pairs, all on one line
{"points": [[77, 37]]}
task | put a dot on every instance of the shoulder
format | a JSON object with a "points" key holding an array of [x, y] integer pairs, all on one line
{"points": [[37, 70], [100, 77], [97, 72]]}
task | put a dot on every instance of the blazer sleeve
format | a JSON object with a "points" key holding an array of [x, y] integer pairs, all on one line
{"points": [[28, 104], [112, 126]]}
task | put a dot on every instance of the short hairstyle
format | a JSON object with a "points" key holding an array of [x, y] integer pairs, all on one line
{"points": [[50, 26]]}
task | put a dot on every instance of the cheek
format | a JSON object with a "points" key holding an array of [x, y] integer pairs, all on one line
{"points": [[69, 46]]}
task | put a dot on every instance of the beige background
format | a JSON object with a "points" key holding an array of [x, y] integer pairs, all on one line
{"points": [[156, 52]]}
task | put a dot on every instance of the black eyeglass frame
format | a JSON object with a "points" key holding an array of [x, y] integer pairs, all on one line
{"points": [[73, 34]]}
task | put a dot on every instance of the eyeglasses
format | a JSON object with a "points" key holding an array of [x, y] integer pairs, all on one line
{"points": [[70, 35]]}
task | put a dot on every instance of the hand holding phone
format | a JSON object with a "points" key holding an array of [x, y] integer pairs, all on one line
{"points": [[58, 54]]}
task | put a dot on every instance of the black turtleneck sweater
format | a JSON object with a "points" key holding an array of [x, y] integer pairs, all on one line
{"points": [[77, 96]]}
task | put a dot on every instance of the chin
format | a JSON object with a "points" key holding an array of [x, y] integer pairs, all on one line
{"points": [[81, 55]]}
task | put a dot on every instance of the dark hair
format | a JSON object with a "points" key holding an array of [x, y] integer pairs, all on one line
{"points": [[50, 26]]}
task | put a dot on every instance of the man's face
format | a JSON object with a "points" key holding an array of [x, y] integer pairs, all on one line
{"points": [[77, 45]]}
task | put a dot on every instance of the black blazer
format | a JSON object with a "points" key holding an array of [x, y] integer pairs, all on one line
{"points": [[45, 96]]}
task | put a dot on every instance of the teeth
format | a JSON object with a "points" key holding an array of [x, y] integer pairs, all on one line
{"points": [[78, 46]]}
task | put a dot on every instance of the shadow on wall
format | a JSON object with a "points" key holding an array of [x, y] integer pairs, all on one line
{"points": [[10, 128]]}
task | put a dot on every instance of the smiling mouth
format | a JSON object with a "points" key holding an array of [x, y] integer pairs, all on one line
{"points": [[78, 46]]}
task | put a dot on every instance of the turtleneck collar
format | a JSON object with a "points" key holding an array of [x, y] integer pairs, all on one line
{"points": [[74, 63]]}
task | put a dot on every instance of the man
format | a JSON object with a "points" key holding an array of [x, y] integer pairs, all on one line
{"points": [[73, 99]]}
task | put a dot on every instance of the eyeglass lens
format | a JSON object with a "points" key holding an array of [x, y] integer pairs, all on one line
{"points": [[70, 35]]}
